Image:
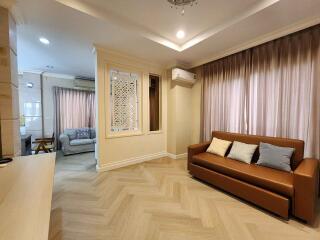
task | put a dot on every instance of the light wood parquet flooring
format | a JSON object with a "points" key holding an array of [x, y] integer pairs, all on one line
{"points": [[155, 200]]}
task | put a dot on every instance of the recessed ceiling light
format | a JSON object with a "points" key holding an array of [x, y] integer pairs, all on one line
{"points": [[44, 41], [180, 34], [30, 85]]}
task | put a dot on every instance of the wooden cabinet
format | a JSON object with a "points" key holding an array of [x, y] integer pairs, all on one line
{"points": [[25, 197]]}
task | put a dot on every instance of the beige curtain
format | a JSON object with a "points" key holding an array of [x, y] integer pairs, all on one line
{"points": [[282, 95], [224, 94], [73, 109]]}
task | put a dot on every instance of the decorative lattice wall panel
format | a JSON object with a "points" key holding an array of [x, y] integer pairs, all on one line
{"points": [[124, 101]]}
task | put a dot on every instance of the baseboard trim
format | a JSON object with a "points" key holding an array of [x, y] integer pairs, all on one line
{"points": [[130, 161], [179, 156]]}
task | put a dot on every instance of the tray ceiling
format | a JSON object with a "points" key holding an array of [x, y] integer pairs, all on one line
{"points": [[147, 28], [157, 21]]}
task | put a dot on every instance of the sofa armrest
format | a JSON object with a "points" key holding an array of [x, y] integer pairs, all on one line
{"points": [[306, 185], [196, 149], [64, 139]]}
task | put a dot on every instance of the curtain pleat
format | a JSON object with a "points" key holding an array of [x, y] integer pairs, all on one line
{"points": [[272, 89], [224, 91], [73, 109]]}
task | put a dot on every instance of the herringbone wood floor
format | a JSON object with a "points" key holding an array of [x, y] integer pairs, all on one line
{"points": [[155, 200]]}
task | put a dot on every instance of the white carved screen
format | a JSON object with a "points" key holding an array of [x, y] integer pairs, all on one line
{"points": [[124, 100]]}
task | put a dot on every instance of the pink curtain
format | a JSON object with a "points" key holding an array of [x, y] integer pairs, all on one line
{"points": [[73, 109], [281, 88]]}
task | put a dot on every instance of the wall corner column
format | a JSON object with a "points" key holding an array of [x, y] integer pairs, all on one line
{"points": [[9, 94]]}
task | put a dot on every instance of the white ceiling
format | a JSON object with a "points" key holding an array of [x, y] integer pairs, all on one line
{"points": [[147, 28]]}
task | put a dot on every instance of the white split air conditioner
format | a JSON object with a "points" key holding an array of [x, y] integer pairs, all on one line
{"points": [[81, 84], [183, 76]]}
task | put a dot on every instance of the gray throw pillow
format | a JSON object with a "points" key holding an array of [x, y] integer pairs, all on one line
{"points": [[275, 157]]}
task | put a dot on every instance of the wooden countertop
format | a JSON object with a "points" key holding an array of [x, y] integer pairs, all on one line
{"points": [[25, 197]]}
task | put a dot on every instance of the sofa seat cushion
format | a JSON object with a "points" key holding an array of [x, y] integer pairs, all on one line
{"points": [[77, 142], [274, 180]]}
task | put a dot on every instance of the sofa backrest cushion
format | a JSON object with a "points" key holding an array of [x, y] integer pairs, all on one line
{"points": [[298, 145], [92, 133], [71, 133], [83, 133]]}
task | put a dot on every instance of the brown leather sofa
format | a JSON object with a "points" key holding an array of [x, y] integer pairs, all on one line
{"points": [[277, 191]]}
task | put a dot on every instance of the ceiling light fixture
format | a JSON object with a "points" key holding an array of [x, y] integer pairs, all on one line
{"points": [[30, 85], [180, 4], [44, 41], [180, 34]]}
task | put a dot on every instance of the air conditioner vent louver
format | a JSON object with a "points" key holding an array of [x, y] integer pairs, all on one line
{"points": [[84, 78], [81, 84]]}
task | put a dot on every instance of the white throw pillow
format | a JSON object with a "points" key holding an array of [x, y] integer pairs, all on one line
{"points": [[218, 146], [242, 151]]}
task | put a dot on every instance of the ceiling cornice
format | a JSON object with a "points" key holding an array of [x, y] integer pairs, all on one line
{"points": [[49, 74], [119, 21], [131, 58], [151, 35], [260, 6], [14, 10], [7, 3], [300, 25]]}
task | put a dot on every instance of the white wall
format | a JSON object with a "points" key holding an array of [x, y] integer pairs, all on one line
{"points": [[115, 152], [30, 95], [184, 108], [180, 118], [180, 115]]}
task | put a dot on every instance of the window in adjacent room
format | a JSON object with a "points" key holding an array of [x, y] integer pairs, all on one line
{"points": [[154, 102], [124, 101]]}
